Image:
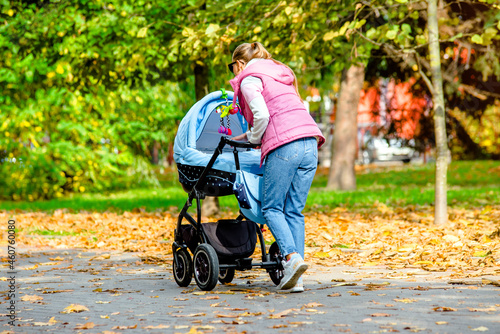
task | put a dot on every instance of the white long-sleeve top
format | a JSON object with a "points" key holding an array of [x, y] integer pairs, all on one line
{"points": [[251, 88]]}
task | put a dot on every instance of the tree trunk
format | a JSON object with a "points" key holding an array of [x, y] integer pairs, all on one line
{"points": [[170, 154], [200, 81], [210, 205], [155, 153], [440, 209], [344, 146]]}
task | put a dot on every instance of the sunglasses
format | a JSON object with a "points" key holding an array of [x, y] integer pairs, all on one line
{"points": [[231, 66]]}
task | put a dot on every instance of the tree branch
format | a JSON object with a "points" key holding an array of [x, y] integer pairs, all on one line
{"points": [[320, 67], [476, 92], [428, 82]]}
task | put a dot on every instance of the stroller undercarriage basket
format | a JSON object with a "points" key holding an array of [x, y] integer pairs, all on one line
{"points": [[231, 239]]}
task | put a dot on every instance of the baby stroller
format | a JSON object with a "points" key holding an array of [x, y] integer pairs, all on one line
{"points": [[210, 164]]}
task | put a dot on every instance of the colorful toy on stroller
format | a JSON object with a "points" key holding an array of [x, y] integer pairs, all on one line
{"points": [[210, 164]]}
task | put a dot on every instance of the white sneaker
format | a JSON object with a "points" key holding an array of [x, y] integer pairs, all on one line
{"points": [[293, 270], [299, 287]]}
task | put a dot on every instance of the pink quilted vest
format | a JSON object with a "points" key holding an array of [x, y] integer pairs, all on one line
{"points": [[288, 117]]}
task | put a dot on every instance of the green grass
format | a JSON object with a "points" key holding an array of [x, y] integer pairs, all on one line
{"points": [[120, 201], [51, 232], [460, 173], [470, 183], [340, 246]]}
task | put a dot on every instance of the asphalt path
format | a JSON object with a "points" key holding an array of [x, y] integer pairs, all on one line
{"points": [[80, 291]]}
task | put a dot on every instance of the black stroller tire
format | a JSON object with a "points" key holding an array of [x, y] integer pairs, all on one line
{"points": [[226, 275], [277, 273], [206, 267], [183, 273]]}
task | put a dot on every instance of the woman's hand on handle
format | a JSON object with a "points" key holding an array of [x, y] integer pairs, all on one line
{"points": [[242, 137]]}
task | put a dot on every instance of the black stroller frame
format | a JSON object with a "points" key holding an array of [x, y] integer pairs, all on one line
{"points": [[207, 266]]}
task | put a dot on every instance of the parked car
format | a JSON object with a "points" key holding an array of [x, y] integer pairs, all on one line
{"points": [[381, 149]]}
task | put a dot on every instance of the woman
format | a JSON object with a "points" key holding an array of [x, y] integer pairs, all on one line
{"points": [[289, 138]]}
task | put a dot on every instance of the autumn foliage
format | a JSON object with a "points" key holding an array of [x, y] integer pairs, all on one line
{"points": [[379, 236]]}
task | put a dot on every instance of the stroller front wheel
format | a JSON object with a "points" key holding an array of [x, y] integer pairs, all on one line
{"points": [[226, 275], [206, 267], [183, 272]]}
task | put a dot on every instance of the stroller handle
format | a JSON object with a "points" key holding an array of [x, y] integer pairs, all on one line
{"points": [[196, 191], [239, 144]]}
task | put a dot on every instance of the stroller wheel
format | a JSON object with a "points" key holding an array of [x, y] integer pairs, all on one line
{"points": [[277, 273], [206, 267], [226, 275], [183, 273]]}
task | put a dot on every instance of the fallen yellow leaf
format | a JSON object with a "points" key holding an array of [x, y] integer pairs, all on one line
{"points": [[75, 308], [157, 327], [480, 329], [125, 327], [444, 309], [405, 300], [31, 298], [87, 325], [282, 314]]}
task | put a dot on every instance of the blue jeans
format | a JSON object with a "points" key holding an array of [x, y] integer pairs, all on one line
{"points": [[288, 175]]}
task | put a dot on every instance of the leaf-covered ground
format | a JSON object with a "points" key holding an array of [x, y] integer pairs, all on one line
{"points": [[401, 237]]}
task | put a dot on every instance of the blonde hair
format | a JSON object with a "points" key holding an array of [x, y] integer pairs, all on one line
{"points": [[249, 51]]}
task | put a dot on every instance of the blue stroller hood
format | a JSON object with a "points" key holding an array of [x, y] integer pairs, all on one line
{"points": [[198, 136]]}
